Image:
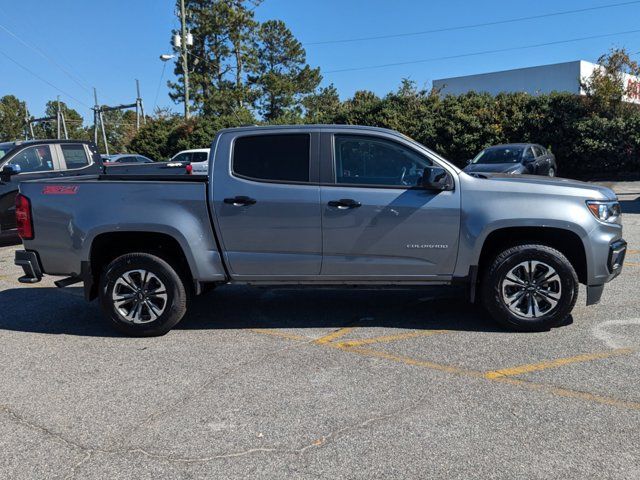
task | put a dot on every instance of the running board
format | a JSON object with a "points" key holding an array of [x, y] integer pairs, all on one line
{"points": [[65, 282]]}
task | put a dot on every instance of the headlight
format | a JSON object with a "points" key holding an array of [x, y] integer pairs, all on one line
{"points": [[604, 211]]}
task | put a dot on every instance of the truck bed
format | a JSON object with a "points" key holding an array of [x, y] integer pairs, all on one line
{"points": [[90, 206]]}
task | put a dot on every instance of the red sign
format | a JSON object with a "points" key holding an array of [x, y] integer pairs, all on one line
{"points": [[633, 89], [60, 190]]}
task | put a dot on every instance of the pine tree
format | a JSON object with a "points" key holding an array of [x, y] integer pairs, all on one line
{"points": [[223, 48], [11, 118], [282, 76]]}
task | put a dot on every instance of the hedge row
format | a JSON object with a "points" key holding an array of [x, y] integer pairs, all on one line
{"points": [[586, 141]]}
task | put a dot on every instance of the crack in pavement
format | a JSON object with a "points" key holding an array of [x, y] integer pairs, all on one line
{"points": [[90, 451], [74, 469]]}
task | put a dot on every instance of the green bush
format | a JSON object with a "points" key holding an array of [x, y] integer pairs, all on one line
{"points": [[587, 140]]}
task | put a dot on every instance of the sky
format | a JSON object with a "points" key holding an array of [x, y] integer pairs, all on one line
{"points": [[67, 47]]}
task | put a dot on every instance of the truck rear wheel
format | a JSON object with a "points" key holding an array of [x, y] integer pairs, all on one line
{"points": [[530, 288], [142, 295]]}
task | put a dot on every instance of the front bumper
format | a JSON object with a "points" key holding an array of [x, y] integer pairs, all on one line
{"points": [[617, 252], [30, 265], [615, 260]]}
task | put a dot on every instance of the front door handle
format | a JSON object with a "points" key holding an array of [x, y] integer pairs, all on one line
{"points": [[240, 201], [344, 203]]}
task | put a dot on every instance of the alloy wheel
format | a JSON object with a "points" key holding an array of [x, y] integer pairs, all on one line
{"points": [[139, 296], [531, 289]]}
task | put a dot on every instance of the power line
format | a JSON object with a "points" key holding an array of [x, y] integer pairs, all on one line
{"points": [[155, 101], [473, 25], [484, 52], [44, 80], [40, 52]]}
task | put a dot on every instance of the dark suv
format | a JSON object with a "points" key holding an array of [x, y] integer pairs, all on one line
{"points": [[38, 159], [523, 158]]}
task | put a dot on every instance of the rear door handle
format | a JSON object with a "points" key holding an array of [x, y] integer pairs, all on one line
{"points": [[344, 203], [239, 201]]}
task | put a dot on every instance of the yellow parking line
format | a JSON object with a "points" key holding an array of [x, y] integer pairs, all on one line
{"points": [[452, 369], [632, 264], [560, 362], [529, 385], [389, 338], [569, 393], [408, 360], [333, 336], [277, 333], [633, 252]]}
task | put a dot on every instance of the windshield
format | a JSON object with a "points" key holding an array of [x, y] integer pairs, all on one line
{"points": [[5, 148], [499, 155]]}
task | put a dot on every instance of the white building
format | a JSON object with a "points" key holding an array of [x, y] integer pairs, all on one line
{"points": [[558, 77]]}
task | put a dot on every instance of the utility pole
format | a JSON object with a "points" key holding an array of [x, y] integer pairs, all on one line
{"points": [[185, 68], [58, 123], [139, 107], [96, 109]]}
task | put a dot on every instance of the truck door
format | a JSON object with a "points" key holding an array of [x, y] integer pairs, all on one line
{"points": [[266, 203], [378, 223]]}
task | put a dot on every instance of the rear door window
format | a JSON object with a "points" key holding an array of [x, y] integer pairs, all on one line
{"points": [[199, 157], [528, 154], [280, 158], [538, 151], [75, 156]]}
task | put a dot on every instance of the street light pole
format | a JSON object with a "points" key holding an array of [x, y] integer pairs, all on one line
{"points": [[185, 68]]}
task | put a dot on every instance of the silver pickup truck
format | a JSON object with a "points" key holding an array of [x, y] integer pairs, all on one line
{"points": [[321, 205]]}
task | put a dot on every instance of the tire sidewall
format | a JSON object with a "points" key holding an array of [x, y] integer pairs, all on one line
{"points": [[493, 283], [176, 295]]}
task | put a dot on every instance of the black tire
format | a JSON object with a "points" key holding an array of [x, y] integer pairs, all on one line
{"points": [[173, 306], [494, 299]]}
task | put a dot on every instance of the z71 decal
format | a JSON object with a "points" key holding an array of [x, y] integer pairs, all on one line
{"points": [[60, 190]]}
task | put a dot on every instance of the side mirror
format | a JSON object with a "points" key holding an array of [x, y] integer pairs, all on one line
{"points": [[436, 178], [9, 171]]}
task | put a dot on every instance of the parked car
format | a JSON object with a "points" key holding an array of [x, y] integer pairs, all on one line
{"points": [[134, 164], [126, 158], [322, 205], [36, 159], [198, 158], [515, 158]]}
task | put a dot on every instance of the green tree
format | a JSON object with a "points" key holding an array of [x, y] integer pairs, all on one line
{"points": [[73, 120], [606, 86], [222, 51], [12, 111], [281, 76], [152, 140], [361, 109], [323, 106]]}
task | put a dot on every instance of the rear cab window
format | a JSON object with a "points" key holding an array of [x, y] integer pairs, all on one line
{"points": [[272, 157], [74, 156]]}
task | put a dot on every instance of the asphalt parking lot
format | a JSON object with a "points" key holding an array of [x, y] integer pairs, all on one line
{"points": [[284, 383]]}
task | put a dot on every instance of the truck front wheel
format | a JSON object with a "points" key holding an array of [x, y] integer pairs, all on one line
{"points": [[142, 295], [530, 288]]}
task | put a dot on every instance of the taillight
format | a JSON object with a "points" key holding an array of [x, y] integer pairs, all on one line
{"points": [[23, 217]]}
